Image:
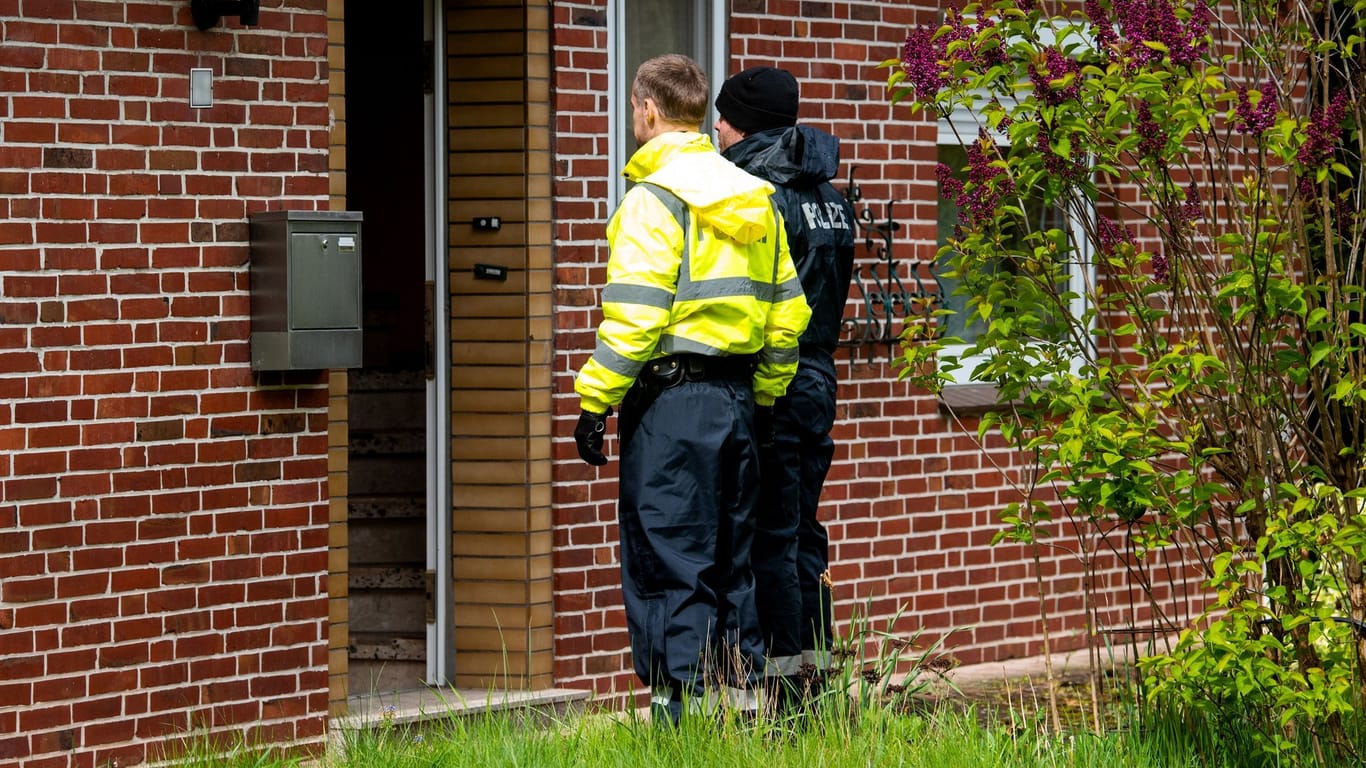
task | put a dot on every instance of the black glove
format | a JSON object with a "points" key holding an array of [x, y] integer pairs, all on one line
{"points": [[588, 436], [763, 426]]}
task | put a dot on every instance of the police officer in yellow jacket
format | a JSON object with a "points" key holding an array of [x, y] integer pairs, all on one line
{"points": [[701, 315]]}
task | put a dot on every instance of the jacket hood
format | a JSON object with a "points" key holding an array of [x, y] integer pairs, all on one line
{"points": [[719, 193], [798, 156]]}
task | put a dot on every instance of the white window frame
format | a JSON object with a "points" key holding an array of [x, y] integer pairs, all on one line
{"points": [[963, 125], [713, 59]]}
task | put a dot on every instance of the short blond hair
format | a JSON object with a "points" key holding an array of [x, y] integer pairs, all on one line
{"points": [[677, 85]]}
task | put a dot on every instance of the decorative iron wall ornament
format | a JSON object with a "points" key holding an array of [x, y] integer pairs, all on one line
{"points": [[883, 304]]}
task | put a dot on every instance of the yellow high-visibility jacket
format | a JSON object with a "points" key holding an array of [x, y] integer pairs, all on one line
{"points": [[726, 286]]}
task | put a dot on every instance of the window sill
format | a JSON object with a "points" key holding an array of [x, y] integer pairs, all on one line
{"points": [[967, 400]]}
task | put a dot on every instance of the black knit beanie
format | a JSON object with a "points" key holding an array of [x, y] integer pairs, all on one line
{"points": [[758, 99]]}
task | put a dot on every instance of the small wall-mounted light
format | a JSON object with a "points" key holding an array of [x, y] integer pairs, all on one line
{"points": [[207, 13]]}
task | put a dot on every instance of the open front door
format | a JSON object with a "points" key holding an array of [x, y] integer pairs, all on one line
{"points": [[441, 648], [450, 456], [399, 579]]}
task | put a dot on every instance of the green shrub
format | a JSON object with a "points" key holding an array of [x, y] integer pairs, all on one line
{"points": [[1199, 392]]}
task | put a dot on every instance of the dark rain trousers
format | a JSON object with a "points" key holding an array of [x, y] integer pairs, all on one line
{"points": [[791, 546], [689, 485]]}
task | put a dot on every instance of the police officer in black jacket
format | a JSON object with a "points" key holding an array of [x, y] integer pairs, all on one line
{"points": [[756, 129]]}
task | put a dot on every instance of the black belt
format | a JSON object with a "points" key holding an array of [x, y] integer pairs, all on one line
{"points": [[670, 370]]}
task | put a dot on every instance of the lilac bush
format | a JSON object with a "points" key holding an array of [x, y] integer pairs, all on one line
{"points": [[1207, 400]]}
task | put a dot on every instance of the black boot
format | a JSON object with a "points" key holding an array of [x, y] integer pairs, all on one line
{"points": [[666, 707]]}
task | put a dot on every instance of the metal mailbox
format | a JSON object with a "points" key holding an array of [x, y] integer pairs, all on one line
{"points": [[305, 290]]}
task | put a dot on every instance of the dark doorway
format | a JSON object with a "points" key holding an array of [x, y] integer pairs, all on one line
{"points": [[386, 74]]}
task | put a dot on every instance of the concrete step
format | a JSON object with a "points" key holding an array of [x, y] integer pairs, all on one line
{"points": [[370, 676], [386, 576], [415, 708], [387, 541], [388, 647], [386, 507], [408, 443], [369, 379], [387, 612]]}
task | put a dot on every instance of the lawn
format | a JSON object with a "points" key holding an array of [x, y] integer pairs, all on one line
{"points": [[837, 736]]}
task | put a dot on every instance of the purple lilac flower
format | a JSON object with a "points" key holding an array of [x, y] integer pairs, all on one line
{"points": [[1197, 30], [928, 62], [1191, 209], [1186, 44], [950, 185], [993, 55], [1161, 269], [1111, 235], [1100, 22], [1244, 109], [1153, 140], [979, 196], [1167, 30], [958, 31], [920, 58], [1135, 26], [1056, 66], [987, 183], [1198, 26], [1256, 119], [1325, 128], [1054, 164], [1155, 20], [1266, 108]]}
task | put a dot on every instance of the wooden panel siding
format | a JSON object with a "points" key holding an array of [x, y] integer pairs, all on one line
{"points": [[472, 140], [497, 78]]}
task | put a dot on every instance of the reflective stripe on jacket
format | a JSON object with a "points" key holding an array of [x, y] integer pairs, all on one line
{"points": [[714, 291]]}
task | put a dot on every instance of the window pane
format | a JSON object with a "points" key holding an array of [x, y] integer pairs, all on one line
{"points": [[651, 28], [659, 26], [955, 156], [1042, 217]]}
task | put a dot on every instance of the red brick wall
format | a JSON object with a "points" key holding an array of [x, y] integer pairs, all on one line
{"points": [[162, 510], [912, 499]]}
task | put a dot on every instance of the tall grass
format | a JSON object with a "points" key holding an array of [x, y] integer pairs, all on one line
{"points": [[874, 737], [225, 751], [871, 712], [829, 737]]}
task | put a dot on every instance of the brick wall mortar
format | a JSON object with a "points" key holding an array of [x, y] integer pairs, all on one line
{"points": [[163, 545], [911, 501]]}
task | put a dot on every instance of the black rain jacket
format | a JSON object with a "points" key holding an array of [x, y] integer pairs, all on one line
{"points": [[800, 161]]}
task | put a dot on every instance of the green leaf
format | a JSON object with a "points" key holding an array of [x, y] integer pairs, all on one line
{"points": [[1319, 351]]}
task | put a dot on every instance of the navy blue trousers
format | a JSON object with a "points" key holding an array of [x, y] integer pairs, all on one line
{"points": [[689, 485], [791, 546]]}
